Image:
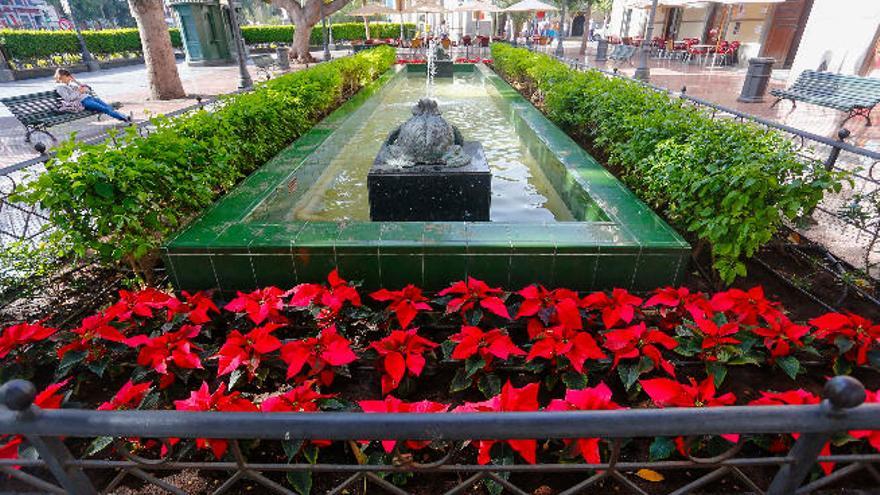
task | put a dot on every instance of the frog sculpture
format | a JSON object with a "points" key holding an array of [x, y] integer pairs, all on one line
{"points": [[426, 139]]}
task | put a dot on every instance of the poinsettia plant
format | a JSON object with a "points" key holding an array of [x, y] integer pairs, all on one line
{"points": [[856, 339], [391, 404], [205, 400], [596, 398], [325, 355], [637, 350], [470, 298], [401, 354], [18, 344], [168, 352], [479, 350], [325, 302], [260, 305], [567, 351], [405, 303], [247, 350]]}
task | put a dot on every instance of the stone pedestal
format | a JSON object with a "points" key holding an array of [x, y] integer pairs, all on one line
{"points": [[432, 193], [601, 51], [443, 68]]}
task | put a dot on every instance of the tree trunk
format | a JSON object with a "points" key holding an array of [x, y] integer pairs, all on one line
{"points": [[586, 35], [299, 50], [162, 73]]}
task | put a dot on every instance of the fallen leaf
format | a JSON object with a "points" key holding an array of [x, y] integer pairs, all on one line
{"points": [[649, 475]]}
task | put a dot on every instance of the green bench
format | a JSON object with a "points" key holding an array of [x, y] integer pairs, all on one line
{"points": [[623, 53], [852, 94], [39, 111]]}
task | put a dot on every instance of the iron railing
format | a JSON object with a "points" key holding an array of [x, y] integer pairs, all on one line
{"points": [[50, 432]]}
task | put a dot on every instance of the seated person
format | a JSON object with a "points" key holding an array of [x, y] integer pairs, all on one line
{"points": [[75, 97]]}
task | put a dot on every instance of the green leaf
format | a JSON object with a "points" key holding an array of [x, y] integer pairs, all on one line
{"points": [[473, 365], [790, 365], [98, 444], [843, 344], [235, 376], [98, 367], [70, 360], [661, 448], [841, 366], [310, 452], [629, 374], [489, 385], [301, 481], [448, 347], [460, 381], [717, 370], [574, 380], [874, 358], [291, 448], [475, 316]]}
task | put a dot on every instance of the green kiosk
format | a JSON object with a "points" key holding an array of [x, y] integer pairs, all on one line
{"points": [[206, 32]]}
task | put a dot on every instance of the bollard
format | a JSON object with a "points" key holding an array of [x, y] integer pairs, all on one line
{"points": [[601, 51]]}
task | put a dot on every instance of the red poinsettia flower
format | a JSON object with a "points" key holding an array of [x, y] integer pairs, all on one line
{"points": [[128, 397], [509, 400], [204, 400], [576, 346], [170, 348], [489, 345], [92, 328], [799, 397], [405, 303], [637, 341], [195, 306], [674, 301], [392, 404], [321, 353], [747, 306], [22, 334], [715, 336], [556, 307], [619, 307], [781, 335], [331, 299], [473, 293], [247, 349], [141, 303], [401, 352], [861, 332], [303, 398], [665, 392], [260, 305], [597, 398], [872, 436], [48, 398]]}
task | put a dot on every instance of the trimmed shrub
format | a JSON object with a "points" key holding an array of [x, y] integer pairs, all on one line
{"points": [[27, 44], [728, 183], [121, 198]]}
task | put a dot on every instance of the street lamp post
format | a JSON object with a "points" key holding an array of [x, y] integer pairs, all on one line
{"points": [[88, 60], [326, 34], [244, 77], [643, 73]]}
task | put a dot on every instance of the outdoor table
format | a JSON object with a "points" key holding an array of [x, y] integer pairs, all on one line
{"points": [[704, 47]]}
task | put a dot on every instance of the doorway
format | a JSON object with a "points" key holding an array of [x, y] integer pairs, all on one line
{"points": [[785, 29], [672, 22]]}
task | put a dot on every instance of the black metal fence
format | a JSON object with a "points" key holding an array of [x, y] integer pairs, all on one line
{"points": [[57, 470]]}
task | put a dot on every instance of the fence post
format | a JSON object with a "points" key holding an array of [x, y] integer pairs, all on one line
{"points": [[19, 395], [840, 393], [842, 134]]}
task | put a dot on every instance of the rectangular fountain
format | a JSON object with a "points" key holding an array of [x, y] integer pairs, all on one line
{"points": [[557, 217]]}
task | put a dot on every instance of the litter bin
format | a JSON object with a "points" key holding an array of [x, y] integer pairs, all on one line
{"points": [[283, 54], [757, 78], [601, 50]]}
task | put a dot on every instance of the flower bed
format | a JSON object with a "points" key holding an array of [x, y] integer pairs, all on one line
{"points": [[472, 348]]}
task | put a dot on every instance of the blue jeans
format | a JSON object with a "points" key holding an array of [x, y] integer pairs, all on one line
{"points": [[99, 105]]}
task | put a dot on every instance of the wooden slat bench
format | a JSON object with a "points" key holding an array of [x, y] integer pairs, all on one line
{"points": [[852, 94], [39, 111]]}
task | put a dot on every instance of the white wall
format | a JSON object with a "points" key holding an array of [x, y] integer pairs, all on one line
{"points": [[839, 32]]}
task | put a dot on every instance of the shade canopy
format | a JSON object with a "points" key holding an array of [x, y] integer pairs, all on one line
{"points": [[477, 6], [371, 10], [530, 6], [425, 7]]}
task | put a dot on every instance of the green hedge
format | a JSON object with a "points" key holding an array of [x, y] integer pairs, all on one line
{"points": [[342, 31], [121, 200], [30, 44], [730, 184], [25, 44]]}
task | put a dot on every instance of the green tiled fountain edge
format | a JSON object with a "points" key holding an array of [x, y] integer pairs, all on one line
{"points": [[636, 249]]}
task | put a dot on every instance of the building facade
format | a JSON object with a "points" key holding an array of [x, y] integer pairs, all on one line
{"points": [[28, 14], [835, 35]]}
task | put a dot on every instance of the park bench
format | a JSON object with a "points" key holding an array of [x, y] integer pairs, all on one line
{"points": [[852, 94], [622, 53], [39, 111], [264, 64]]}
